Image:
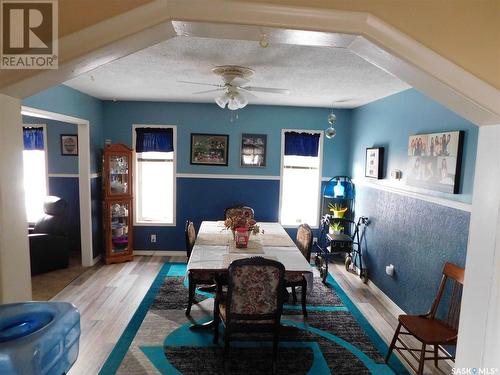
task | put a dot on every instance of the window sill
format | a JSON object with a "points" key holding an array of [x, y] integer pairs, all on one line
{"points": [[153, 224], [297, 225]]}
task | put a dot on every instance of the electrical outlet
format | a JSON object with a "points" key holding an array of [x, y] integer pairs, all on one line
{"points": [[153, 238]]}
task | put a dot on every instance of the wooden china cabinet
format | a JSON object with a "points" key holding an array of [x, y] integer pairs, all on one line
{"points": [[118, 203]]}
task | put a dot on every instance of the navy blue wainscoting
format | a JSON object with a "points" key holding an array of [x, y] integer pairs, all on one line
{"points": [[417, 237], [96, 207], [201, 199], [68, 188]]}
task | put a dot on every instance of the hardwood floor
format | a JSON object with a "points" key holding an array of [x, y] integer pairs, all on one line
{"points": [[107, 297]]}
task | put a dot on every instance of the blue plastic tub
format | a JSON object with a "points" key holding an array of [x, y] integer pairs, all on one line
{"points": [[38, 337]]}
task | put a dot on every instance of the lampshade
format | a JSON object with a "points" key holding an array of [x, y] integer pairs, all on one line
{"points": [[233, 99], [222, 100]]}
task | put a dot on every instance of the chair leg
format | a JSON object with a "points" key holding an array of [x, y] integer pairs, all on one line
{"points": [[275, 347], [226, 349], [304, 292], [216, 328], [192, 288], [436, 355], [393, 343], [294, 295], [421, 361]]}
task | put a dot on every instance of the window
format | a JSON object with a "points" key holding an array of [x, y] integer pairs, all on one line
{"points": [[155, 174], [35, 172], [300, 178]]}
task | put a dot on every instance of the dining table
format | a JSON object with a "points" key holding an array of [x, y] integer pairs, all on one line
{"points": [[215, 249]]}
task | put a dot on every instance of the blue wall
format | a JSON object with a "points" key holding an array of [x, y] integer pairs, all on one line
{"points": [[206, 198], [67, 101], [416, 236], [390, 121]]}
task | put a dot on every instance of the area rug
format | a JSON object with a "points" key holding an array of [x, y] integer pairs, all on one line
{"points": [[335, 337]]}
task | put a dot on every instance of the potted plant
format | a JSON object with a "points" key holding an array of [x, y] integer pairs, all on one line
{"points": [[336, 228], [338, 210]]}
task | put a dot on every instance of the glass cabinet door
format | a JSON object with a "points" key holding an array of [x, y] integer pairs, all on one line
{"points": [[119, 227], [118, 174]]}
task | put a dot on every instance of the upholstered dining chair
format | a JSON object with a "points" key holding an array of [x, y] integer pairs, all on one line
{"points": [[238, 211], [304, 242], [253, 302], [194, 278], [430, 329]]}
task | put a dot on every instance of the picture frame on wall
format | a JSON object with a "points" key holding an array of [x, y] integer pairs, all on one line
{"points": [[253, 150], [374, 162], [69, 144], [209, 149], [435, 161]]}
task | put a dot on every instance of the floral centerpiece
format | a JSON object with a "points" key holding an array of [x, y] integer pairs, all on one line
{"points": [[242, 224], [242, 221]]}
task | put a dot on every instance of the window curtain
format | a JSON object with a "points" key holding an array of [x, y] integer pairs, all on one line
{"points": [[301, 144], [33, 138], [153, 139]]}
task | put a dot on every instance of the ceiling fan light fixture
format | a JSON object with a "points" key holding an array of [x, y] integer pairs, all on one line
{"points": [[222, 100]]}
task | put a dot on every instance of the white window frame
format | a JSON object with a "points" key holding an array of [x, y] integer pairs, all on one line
{"points": [[320, 174], [45, 149], [134, 156]]}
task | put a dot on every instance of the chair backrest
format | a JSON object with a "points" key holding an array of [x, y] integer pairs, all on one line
{"points": [[454, 275], [255, 289], [54, 221], [190, 233], [239, 211], [304, 240]]}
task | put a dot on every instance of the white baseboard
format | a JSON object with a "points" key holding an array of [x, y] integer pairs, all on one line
{"points": [[388, 303], [96, 260], [161, 253]]}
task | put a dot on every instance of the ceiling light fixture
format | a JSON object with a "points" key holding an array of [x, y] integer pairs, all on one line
{"points": [[330, 132], [233, 99]]}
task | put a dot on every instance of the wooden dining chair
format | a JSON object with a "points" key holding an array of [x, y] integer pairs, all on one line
{"points": [[253, 302], [238, 211], [304, 242], [430, 329], [194, 277]]}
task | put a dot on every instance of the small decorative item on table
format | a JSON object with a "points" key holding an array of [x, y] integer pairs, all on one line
{"points": [[242, 227]]}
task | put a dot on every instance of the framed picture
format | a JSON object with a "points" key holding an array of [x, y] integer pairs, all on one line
{"points": [[253, 150], [435, 161], [69, 144], [374, 163], [209, 149]]}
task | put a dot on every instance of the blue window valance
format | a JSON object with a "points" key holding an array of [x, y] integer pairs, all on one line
{"points": [[301, 144], [33, 138], [154, 139]]}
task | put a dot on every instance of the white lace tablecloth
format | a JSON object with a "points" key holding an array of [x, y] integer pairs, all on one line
{"points": [[214, 249]]}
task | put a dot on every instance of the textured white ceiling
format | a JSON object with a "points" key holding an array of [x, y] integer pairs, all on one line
{"points": [[315, 76]]}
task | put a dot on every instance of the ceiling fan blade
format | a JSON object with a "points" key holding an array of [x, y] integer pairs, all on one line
{"points": [[207, 91], [267, 89], [248, 93], [202, 84]]}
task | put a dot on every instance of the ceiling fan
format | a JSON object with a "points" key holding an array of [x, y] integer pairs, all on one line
{"points": [[234, 87]]}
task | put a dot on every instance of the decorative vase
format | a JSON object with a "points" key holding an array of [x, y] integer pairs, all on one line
{"points": [[241, 237]]}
